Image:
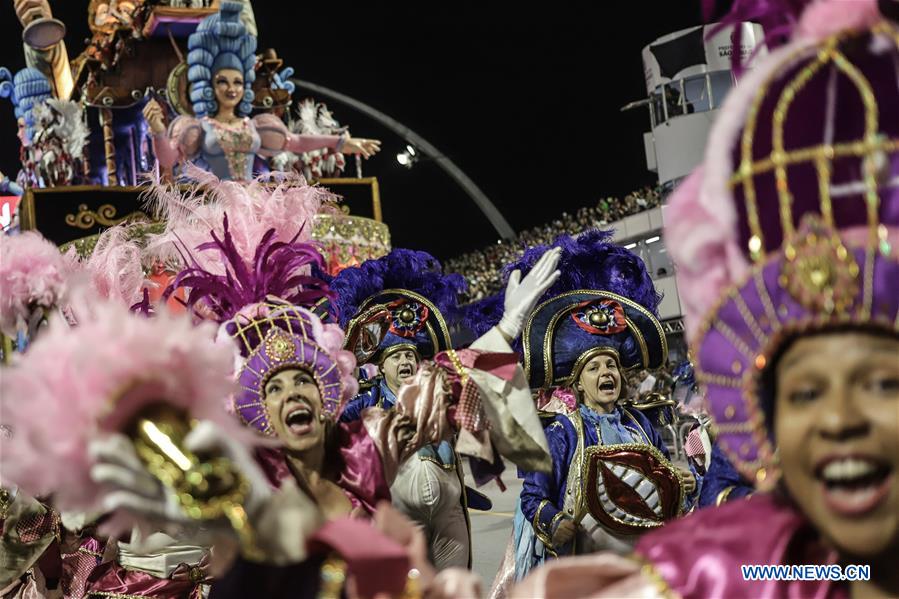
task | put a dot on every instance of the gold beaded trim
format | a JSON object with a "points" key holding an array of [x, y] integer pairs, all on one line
{"points": [[868, 149], [648, 570]]}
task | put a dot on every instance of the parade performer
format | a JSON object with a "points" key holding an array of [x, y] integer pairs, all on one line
{"points": [[411, 286], [786, 246], [77, 387], [222, 137], [35, 278], [595, 322], [258, 283]]}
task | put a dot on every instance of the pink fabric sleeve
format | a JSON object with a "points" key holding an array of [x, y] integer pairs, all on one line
{"points": [[182, 140], [595, 576], [418, 419], [275, 137], [363, 474]]}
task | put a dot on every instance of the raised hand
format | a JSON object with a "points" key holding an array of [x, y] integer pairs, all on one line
{"points": [[130, 486], [360, 145], [155, 116], [30, 10], [522, 295]]}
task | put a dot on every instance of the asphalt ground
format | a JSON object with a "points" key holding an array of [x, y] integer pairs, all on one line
{"points": [[491, 531]]}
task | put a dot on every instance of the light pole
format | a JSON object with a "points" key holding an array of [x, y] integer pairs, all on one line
{"points": [[474, 192]]}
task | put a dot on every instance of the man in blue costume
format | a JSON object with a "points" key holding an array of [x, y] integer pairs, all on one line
{"points": [[394, 310]]}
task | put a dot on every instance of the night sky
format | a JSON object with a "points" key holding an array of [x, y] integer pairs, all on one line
{"points": [[525, 101]]}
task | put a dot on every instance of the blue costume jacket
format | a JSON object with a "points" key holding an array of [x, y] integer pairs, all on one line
{"points": [[720, 477], [543, 495]]}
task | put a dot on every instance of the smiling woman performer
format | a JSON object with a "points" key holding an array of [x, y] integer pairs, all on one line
{"points": [[786, 246], [222, 137], [295, 376]]}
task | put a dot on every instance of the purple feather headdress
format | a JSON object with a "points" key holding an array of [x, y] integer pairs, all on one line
{"points": [[403, 299], [589, 261], [282, 269], [413, 270]]}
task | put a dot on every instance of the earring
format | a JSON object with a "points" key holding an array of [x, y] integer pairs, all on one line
{"points": [[321, 417]]}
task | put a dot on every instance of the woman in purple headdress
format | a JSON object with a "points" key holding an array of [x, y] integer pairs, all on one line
{"points": [[786, 246], [295, 376]]}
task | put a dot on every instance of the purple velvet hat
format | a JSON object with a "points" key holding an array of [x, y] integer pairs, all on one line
{"points": [[401, 301], [291, 338], [790, 226]]}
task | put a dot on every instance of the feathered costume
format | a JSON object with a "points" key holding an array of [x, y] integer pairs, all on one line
{"points": [[35, 278], [603, 303], [789, 228], [75, 385]]}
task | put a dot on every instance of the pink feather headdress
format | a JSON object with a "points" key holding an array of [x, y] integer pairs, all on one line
{"points": [[286, 206], [33, 274], [74, 384], [115, 268]]}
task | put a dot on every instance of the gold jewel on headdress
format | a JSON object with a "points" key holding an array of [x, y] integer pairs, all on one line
{"points": [[819, 272], [279, 345]]}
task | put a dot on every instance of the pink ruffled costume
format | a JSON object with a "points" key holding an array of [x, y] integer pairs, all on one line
{"points": [[228, 150]]}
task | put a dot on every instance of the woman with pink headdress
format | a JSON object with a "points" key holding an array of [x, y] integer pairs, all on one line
{"points": [[248, 266], [786, 246]]}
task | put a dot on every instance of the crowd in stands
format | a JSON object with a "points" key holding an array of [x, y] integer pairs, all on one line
{"points": [[482, 268]]}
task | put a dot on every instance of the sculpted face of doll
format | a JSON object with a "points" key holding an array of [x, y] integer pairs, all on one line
{"points": [[837, 429], [229, 89], [599, 383], [399, 368], [22, 133], [294, 405]]}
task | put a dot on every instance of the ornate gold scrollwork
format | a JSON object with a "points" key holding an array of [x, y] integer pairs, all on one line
{"points": [[104, 216]]}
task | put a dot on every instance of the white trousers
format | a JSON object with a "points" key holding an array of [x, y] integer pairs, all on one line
{"points": [[431, 495]]}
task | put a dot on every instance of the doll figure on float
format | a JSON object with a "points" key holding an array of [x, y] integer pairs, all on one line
{"points": [[53, 133], [25, 90], [222, 137]]}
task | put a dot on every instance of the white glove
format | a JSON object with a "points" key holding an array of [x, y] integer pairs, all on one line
{"points": [[522, 296], [134, 489], [131, 487], [282, 519]]}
